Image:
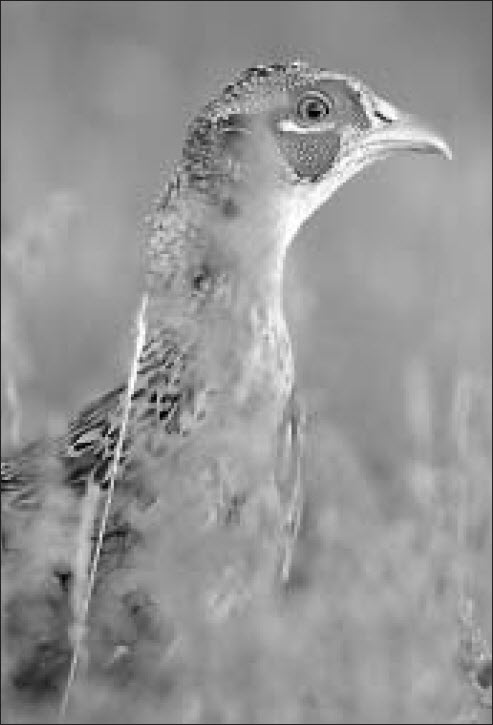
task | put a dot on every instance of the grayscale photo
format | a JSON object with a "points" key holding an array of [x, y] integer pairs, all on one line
{"points": [[246, 362]]}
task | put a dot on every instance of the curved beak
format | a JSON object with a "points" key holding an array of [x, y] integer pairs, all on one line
{"points": [[394, 131], [406, 134]]}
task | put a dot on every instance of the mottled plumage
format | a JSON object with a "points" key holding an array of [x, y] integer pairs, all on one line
{"points": [[210, 476]]}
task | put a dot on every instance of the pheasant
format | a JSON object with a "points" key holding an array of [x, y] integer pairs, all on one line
{"points": [[209, 492]]}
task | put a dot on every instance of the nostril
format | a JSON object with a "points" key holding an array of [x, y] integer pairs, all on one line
{"points": [[378, 114], [385, 111]]}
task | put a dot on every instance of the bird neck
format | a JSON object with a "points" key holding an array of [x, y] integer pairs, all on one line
{"points": [[204, 253]]}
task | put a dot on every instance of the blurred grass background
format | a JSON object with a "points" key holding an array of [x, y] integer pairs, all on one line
{"points": [[388, 296]]}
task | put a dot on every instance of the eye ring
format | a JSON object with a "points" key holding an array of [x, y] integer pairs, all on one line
{"points": [[313, 107]]}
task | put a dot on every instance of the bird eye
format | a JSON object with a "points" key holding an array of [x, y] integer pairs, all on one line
{"points": [[313, 108]]}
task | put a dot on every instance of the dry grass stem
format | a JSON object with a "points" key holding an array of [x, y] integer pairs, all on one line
{"points": [[81, 612]]}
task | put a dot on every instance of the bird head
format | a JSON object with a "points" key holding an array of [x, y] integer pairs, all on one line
{"points": [[300, 130], [279, 140]]}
